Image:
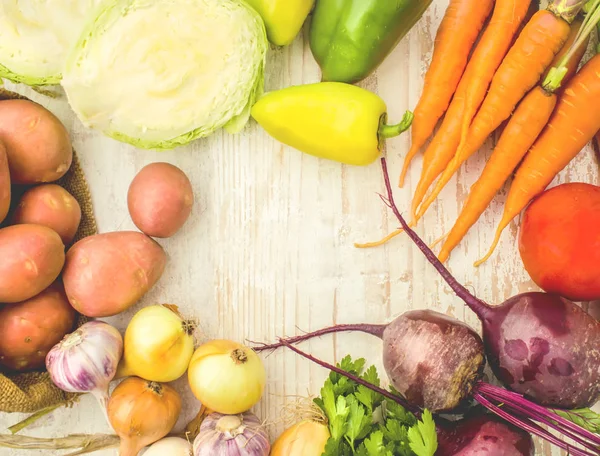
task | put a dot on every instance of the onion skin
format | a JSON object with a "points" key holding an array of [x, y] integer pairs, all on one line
{"points": [[307, 438], [226, 376], [431, 359], [232, 435], [142, 413], [484, 434], [547, 348], [158, 345]]}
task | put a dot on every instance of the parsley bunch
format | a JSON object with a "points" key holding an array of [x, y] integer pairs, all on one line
{"points": [[364, 423]]}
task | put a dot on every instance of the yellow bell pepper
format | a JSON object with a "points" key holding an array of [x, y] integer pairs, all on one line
{"points": [[330, 120], [283, 18]]}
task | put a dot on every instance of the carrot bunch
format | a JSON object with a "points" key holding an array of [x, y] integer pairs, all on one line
{"points": [[522, 72]]}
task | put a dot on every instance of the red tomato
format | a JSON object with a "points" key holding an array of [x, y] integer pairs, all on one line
{"points": [[560, 241]]}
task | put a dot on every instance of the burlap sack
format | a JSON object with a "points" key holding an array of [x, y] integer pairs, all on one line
{"points": [[32, 391]]}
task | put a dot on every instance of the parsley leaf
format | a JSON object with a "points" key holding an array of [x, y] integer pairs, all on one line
{"points": [[368, 397], [374, 444], [337, 424], [327, 400], [364, 423], [422, 436], [358, 421], [331, 448]]}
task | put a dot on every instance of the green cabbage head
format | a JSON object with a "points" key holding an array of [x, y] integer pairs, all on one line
{"points": [[160, 73], [37, 35]]}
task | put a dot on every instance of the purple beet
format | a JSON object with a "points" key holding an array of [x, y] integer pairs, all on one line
{"points": [[433, 360], [538, 344], [483, 435], [511, 407]]}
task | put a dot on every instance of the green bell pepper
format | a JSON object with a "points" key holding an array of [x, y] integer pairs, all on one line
{"points": [[350, 38]]}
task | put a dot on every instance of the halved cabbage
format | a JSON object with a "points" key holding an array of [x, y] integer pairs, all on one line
{"points": [[160, 73], [37, 35]]}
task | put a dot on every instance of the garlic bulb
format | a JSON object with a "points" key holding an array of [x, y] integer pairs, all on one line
{"points": [[231, 435], [86, 360]]}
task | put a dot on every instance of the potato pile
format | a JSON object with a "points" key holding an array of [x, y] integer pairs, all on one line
{"points": [[42, 286]]}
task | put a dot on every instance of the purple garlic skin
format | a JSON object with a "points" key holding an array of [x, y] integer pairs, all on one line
{"points": [[226, 435], [431, 359], [546, 348], [483, 435], [86, 360]]}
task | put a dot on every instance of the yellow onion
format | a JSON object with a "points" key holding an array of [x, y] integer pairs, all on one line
{"points": [[306, 438], [158, 344], [226, 376], [142, 412]]}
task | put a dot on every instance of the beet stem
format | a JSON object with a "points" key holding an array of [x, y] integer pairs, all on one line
{"points": [[530, 427], [476, 305], [548, 417], [523, 411], [374, 330], [398, 399]]}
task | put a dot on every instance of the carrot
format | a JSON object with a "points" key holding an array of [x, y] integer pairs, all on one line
{"points": [[574, 123], [488, 55], [597, 147], [520, 71], [574, 59], [492, 48], [455, 37], [520, 133]]}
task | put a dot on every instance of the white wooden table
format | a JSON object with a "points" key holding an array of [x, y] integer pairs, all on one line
{"points": [[269, 246]]}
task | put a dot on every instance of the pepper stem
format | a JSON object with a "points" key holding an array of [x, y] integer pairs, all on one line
{"points": [[390, 131]]}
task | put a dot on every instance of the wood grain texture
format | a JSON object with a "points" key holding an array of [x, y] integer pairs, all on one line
{"points": [[269, 250]]}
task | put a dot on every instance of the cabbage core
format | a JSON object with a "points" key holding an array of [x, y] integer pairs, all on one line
{"points": [[160, 73]]}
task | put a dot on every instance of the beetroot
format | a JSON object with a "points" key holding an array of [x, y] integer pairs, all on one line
{"points": [[512, 407], [545, 347], [538, 344], [483, 435], [433, 360], [444, 361]]}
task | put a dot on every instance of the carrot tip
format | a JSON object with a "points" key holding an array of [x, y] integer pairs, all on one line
{"points": [[492, 248], [443, 256], [368, 245]]}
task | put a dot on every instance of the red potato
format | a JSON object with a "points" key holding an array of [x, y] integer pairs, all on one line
{"points": [[559, 241], [37, 143], [4, 184], [107, 273], [31, 328], [160, 199], [31, 258], [52, 206]]}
